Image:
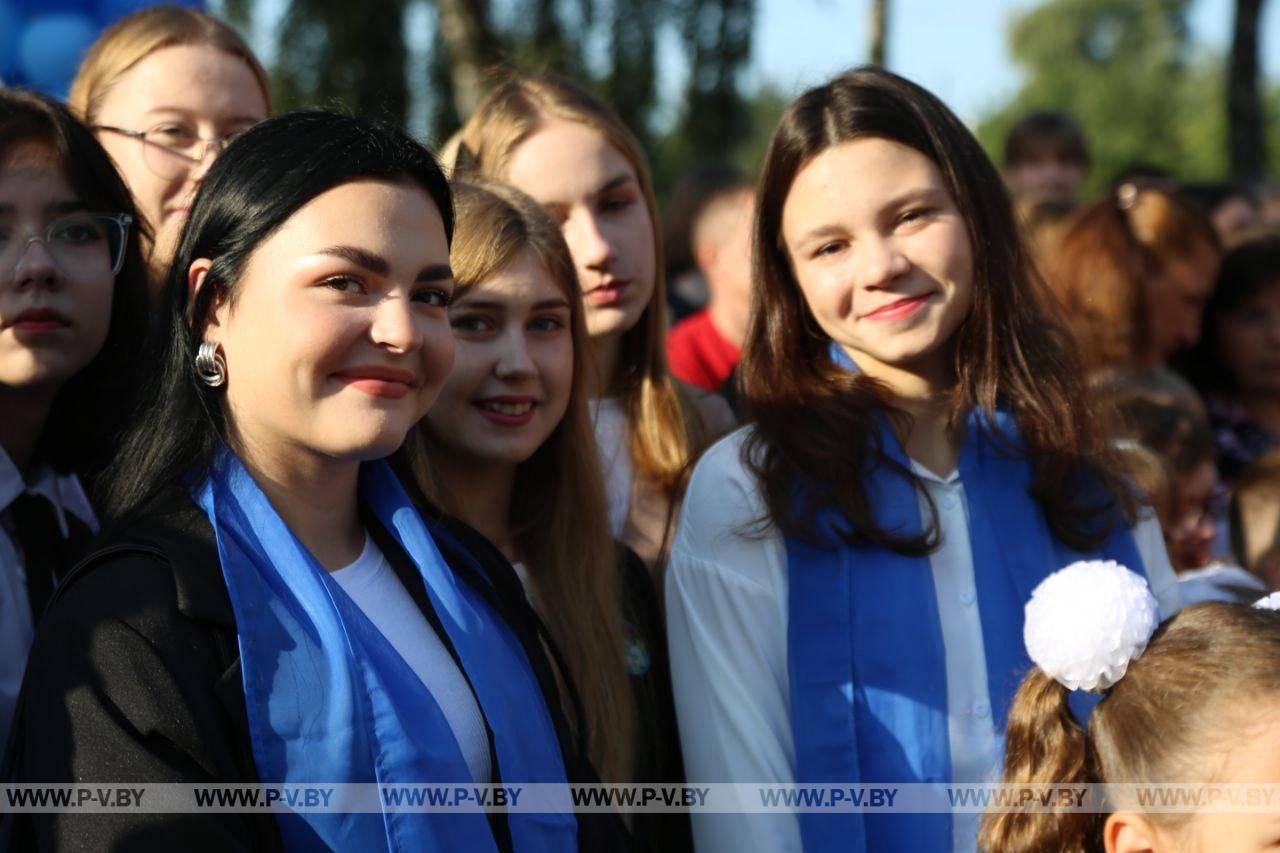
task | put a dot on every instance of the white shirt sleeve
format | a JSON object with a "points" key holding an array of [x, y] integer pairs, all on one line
{"points": [[1149, 540], [726, 628]]}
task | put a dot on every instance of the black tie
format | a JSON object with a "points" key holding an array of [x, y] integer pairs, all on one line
{"points": [[46, 553]]}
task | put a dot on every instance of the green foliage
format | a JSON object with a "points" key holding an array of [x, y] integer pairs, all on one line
{"points": [[1124, 70], [329, 53]]}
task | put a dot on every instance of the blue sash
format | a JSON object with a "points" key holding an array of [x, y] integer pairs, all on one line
{"points": [[330, 701], [865, 649]]}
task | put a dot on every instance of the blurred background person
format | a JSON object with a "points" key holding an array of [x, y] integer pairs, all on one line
{"points": [[1133, 272], [1185, 491], [1255, 518], [1046, 158], [704, 348], [1230, 206], [1236, 365], [165, 89], [686, 286]]}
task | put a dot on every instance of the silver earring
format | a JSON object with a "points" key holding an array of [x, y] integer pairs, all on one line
{"points": [[211, 367]]}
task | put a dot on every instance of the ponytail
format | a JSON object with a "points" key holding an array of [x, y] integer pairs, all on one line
{"points": [[1044, 744]]}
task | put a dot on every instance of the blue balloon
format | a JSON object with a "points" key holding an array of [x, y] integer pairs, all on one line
{"points": [[51, 49], [11, 23]]}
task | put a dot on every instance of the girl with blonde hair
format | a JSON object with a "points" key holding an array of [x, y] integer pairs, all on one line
{"points": [[556, 142], [511, 420], [165, 90], [1192, 702]]}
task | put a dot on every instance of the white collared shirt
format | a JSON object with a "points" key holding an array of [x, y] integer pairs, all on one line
{"points": [[726, 592], [16, 628]]}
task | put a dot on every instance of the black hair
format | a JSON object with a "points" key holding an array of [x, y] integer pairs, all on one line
{"points": [[1210, 195], [250, 191], [1044, 132], [91, 408], [1247, 270]]}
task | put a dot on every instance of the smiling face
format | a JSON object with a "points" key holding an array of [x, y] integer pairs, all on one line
{"points": [[881, 254], [175, 92], [513, 368], [337, 337], [54, 317], [591, 189]]}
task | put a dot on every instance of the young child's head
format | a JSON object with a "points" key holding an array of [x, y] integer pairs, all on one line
{"points": [[1046, 157], [1255, 518], [1199, 705]]}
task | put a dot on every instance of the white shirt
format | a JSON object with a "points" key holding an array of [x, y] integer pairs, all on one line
{"points": [[726, 592], [1221, 582], [612, 437], [16, 628], [373, 586]]}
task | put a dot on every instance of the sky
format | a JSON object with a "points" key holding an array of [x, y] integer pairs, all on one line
{"points": [[955, 48]]}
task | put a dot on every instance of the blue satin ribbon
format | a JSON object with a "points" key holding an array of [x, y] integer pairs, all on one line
{"points": [[329, 700], [865, 648]]}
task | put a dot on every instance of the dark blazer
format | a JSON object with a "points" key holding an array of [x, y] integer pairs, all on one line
{"points": [[134, 676]]}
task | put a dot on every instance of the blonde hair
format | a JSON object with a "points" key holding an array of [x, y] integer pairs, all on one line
{"points": [[1180, 704], [562, 533], [1102, 265], [131, 39], [666, 430]]}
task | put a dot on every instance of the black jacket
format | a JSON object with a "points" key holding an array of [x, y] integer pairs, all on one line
{"points": [[134, 676]]}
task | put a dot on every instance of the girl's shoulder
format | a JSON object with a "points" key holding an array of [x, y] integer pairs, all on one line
{"points": [[723, 498]]}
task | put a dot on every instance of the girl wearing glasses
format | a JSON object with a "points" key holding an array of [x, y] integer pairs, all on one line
{"points": [[166, 89], [72, 313]]}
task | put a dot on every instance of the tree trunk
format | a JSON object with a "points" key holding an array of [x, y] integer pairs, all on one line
{"points": [[879, 30], [472, 48], [1246, 137]]}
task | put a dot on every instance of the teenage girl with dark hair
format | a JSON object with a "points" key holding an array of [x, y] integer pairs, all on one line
{"points": [[846, 586], [72, 318], [272, 605]]}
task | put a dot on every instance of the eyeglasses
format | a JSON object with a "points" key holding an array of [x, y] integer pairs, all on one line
{"points": [[171, 150], [81, 244]]}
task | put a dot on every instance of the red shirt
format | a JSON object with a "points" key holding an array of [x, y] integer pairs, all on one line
{"points": [[699, 354]]}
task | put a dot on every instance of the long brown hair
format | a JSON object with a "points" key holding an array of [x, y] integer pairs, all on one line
{"points": [[1201, 677], [562, 532], [816, 424], [666, 430], [133, 38], [1106, 259]]}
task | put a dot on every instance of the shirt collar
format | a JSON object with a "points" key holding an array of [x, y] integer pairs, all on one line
{"points": [[64, 492]]}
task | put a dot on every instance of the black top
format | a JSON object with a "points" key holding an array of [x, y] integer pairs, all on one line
{"points": [[657, 756], [134, 676]]}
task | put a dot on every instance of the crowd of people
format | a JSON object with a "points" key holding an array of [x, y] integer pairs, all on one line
{"points": [[326, 458]]}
